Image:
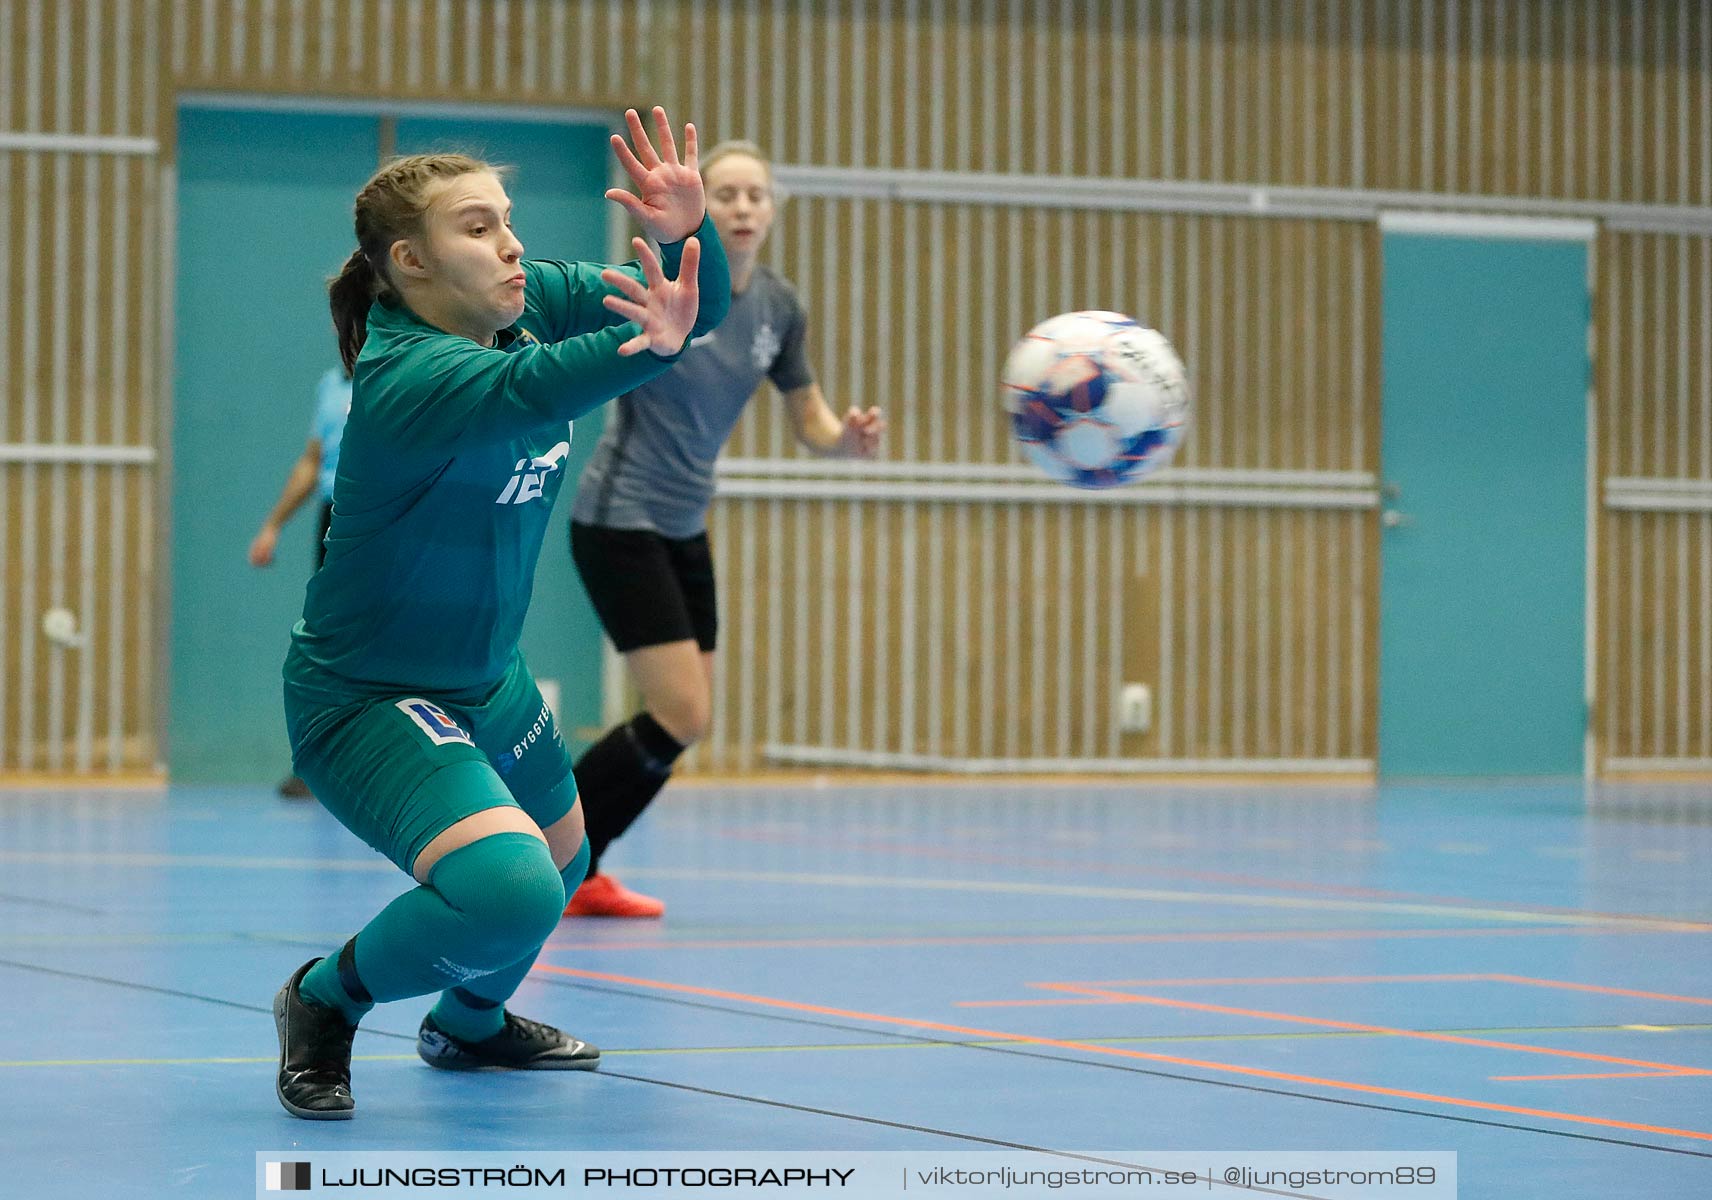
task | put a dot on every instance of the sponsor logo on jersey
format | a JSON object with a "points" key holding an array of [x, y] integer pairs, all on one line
{"points": [[543, 721], [543, 724], [433, 721], [529, 476]]}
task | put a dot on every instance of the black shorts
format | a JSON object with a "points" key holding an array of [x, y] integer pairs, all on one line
{"points": [[647, 589]]}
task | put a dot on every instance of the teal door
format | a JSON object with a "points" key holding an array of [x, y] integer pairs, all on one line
{"points": [[264, 216], [1484, 534]]}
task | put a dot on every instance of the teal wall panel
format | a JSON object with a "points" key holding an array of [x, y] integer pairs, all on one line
{"points": [[264, 216]]}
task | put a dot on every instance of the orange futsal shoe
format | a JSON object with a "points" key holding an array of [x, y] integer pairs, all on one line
{"points": [[604, 896]]}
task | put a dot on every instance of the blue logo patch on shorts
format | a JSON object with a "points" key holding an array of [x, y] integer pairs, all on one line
{"points": [[434, 722]]}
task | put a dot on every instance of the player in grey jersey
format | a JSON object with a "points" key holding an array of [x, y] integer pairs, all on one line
{"points": [[639, 525]]}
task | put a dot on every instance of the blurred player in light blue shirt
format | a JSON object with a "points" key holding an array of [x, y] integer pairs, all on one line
{"points": [[312, 472]]}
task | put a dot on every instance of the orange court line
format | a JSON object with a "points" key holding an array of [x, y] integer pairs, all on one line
{"points": [[1610, 1075], [1098, 997], [1099, 939], [1280, 979], [1092, 986], [1053, 1002], [1607, 991], [1484, 977], [1357, 1027], [1125, 1052]]}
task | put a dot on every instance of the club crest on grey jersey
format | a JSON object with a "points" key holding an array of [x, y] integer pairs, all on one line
{"points": [[765, 348]]}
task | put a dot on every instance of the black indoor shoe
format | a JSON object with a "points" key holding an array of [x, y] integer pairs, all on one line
{"points": [[521, 1045], [314, 1054]]}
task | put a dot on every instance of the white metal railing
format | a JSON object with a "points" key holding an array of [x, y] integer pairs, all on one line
{"points": [[1639, 494], [952, 483], [1229, 199], [833, 756], [77, 143], [37, 452], [1696, 765]]}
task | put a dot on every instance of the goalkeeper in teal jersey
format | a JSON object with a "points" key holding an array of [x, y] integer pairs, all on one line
{"points": [[411, 714]]}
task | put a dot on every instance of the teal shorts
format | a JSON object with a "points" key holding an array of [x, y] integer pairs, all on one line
{"points": [[399, 770]]}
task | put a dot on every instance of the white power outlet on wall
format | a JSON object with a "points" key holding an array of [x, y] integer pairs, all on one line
{"points": [[1135, 708]]}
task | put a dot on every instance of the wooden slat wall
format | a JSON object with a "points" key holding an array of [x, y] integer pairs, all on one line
{"points": [[1583, 99], [79, 340], [1170, 89], [1550, 98], [1654, 377], [555, 52], [1562, 98], [1272, 317], [1003, 629], [842, 632]]}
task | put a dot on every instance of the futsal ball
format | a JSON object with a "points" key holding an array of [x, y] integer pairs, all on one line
{"points": [[1096, 399]]}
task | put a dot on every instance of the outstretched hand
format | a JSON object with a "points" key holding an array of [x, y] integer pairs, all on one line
{"points": [[666, 308], [860, 437], [671, 204]]}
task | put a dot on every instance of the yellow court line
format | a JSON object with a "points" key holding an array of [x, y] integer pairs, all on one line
{"points": [[174, 1062], [824, 1047]]}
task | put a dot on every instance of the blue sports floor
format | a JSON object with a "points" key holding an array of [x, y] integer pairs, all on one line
{"points": [[1518, 973]]}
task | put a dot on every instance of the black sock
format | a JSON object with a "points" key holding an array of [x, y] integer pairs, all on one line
{"points": [[630, 805], [619, 775]]}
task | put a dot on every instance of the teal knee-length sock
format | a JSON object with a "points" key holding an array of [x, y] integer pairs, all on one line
{"points": [[485, 907], [476, 1010]]}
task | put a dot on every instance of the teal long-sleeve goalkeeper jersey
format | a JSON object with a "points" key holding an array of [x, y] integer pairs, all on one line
{"points": [[451, 460]]}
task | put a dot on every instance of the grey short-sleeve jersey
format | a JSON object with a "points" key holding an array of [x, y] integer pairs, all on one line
{"points": [[654, 465]]}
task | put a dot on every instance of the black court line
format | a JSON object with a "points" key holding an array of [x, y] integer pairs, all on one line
{"points": [[969, 1137], [946, 1133], [266, 1009], [61, 905], [1021, 1052], [905, 1037]]}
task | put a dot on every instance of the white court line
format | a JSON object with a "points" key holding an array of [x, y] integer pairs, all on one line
{"points": [[1156, 895], [1163, 896], [203, 861]]}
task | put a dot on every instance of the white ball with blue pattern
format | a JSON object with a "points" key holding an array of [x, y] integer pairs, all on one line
{"points": [[1096, 399]]}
